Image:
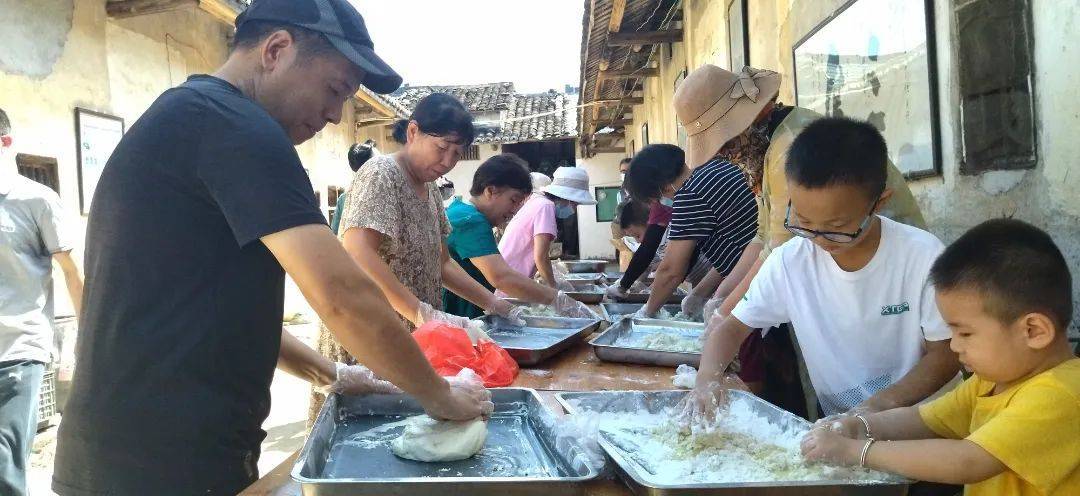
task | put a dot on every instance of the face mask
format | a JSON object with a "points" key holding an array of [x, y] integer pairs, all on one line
{"points": [[447, 192], [667, 202], [622, 178], [564, 211]]}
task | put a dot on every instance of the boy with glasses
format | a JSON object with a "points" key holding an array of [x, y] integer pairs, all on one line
{"points": [[852, 283]]}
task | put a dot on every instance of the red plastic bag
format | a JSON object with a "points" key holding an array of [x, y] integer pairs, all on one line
{"points": [[449, 350]]}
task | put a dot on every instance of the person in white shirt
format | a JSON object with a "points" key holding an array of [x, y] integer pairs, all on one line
{"points": [[852, 283]]}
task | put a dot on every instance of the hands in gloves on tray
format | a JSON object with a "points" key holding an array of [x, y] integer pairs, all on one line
{"points": [[692, 306], [463, 399], [838, 439], [569, 307], [643, 313], [506, 310], [711, 307], [699, 409], [615, 292]]}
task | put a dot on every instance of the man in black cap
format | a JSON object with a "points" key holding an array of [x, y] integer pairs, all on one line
{"points": [[200, 212]]}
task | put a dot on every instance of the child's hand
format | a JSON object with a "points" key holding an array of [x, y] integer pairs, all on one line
{"points": [[824, 445], [844, 425]]}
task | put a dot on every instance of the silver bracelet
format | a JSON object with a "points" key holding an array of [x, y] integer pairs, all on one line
{"points": [[865, 423], [865, 450]]}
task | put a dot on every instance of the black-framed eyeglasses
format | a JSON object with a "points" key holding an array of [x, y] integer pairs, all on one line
{"points": [[835, 237]]}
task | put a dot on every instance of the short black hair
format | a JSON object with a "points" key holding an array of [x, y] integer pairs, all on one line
{"points": [[503, 170], [1014, 266], [652, 168], [439, 114], [5, 123], [359, 154], [309, 43], [633, 213], [836, 151]]}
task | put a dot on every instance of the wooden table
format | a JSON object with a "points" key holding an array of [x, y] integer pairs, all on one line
{"points": [[576, 369]]}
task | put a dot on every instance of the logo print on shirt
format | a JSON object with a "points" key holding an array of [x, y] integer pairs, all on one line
{"points": [[895, 309]]}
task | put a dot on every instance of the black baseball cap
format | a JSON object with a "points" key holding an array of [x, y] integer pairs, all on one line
{"points": [[340, 23]]}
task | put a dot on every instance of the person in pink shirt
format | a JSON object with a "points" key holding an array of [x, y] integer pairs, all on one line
{"points": [[526, 243]]}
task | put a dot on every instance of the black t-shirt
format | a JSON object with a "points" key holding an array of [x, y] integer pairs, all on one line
{"points": [[181, 320]]}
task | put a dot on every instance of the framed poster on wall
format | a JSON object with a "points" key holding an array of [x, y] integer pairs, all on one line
{"points": [[870, 61], [96, 135]]}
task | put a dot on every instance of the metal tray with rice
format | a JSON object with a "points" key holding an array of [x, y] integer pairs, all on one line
{"points": [[348, 452], [639, 341], [580, 266], [540, 338], [643, 297], [589, 293], [767, 440], [612, 312]]}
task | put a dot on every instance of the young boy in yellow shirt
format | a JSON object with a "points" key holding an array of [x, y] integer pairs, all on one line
{"points": [[1013, 428]]}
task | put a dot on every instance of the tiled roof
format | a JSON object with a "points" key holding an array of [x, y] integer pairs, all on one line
{"points": [[557, 117], [555, 122], [491, 97]]}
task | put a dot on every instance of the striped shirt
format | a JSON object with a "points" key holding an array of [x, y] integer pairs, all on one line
{"points": [[716, 208]]}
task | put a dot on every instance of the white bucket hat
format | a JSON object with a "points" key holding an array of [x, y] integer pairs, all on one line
{"points": [[539, 180], [571, 183]]}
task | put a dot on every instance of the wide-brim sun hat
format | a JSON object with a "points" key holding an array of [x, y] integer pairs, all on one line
{"points": [[571, 183], [715, 105], [539, 180]]}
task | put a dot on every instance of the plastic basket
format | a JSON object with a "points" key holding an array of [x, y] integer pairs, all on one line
{"points": [[47, 399]]}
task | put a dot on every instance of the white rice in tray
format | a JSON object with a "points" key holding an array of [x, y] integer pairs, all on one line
{"points": [[743, 448]]}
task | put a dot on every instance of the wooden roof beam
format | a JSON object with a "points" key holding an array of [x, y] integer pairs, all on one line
{"points": [[618, 8], [628, 73], [610, 149], [645, 37], [134, 8]]}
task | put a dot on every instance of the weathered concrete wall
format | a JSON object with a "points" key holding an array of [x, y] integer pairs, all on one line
{"points": [[1045, 196]]}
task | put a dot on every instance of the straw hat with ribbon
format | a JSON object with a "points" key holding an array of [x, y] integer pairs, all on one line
{"points": [[715, 105], [571, 183]]}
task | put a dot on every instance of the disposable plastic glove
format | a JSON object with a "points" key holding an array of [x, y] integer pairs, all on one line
{"points": [[359, 380], [615, 292], [692, 306], [425, 313], [569, 307], [711, 307], [466, 399], [643, 313], [699, 409], [507, 310], [477, 332]]}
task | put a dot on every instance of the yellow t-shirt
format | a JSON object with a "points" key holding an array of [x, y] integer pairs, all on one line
{"points": [[1033, 428]]}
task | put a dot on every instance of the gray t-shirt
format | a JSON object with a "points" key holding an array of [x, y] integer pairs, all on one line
{"points": [[31, 231]]}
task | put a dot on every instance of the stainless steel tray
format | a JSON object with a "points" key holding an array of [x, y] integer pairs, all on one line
{"points": [[579, 266], [607, 347], [611, 312], [675, 298], [585, 295], [613, 275], [641, 481], [589, 277], [540, 338], [347, 452]]}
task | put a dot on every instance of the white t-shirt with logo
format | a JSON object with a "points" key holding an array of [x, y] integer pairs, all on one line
{"points": [[861, 331]]}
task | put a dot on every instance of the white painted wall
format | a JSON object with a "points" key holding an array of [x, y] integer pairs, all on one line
{"points": [[462, 174]]}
